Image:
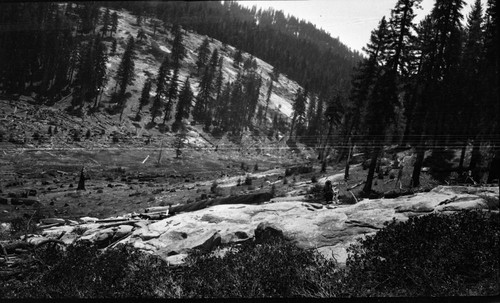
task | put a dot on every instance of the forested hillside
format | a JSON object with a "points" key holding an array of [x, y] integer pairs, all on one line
{"points": [[86, 55], [295, 47]]}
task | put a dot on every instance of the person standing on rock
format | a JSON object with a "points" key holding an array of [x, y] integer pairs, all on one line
{"points": [[328, 192]]}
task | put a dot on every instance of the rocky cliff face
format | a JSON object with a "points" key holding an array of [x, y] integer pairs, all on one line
{"points": [[329, 229]]}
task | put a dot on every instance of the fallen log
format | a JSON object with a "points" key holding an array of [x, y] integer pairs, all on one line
{"points": [[157, 209], [113, 224], [50, 221], [355, 199], [111, 220], [50, 225], [154, 216], [356, 185], [10, 248]]}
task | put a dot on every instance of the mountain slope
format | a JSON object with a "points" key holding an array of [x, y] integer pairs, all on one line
{"points": [[36, 119]]}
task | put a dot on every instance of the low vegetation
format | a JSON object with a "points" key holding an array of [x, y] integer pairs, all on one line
{"points": [[433, 255]]}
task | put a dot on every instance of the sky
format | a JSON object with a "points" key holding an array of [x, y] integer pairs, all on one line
{"points": [[351, 21]]}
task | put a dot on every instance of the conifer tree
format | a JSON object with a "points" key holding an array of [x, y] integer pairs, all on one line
{"points": [[438, 73], [171, 94], [141, 35], [83, 81], [161, 88], [299, 107], [401, 24], [376, 92], [81, 181], [185, 100], [491, 67], [252, 83], [114, 22], [311, 132], [106, 20], [236, 114], [268, 97], [113, 47], [100, 70], [332, 115], [247, 64], [318, 120], [203, 54], [125, 74], [178, 49], [472, 80], [238, 57], [222, 111], [144, 100], [219, 79], [155, 24], [202, 111]]}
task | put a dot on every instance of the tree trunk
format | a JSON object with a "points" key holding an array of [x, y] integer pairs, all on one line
{"points": [[161, 150], [96, 100], [475, 160], [323, 156], [494, 169], [347, 164], [367, 189], [462, 157], [293, 125], [406, 133], [417, 167]]}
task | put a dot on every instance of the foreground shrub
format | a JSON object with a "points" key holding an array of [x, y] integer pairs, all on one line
{"points": [[271, 269], [86, 272], [433, 255]]}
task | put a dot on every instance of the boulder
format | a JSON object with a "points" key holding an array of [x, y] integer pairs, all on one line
{"points": [[122, 231], [148, 235], [211, 243], [267, 231], [36, 240], [177, 259]]}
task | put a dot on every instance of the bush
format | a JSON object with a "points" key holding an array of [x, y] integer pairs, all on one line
{"points": [[26, 224], [440, 163], [314, 179], [273, 190], [433, 255], [272, 269], [316, 193], [83, 271], [248, 180], [213, 187]]}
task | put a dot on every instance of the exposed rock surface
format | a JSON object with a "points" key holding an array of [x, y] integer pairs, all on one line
{"points": [[330, 230]]}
